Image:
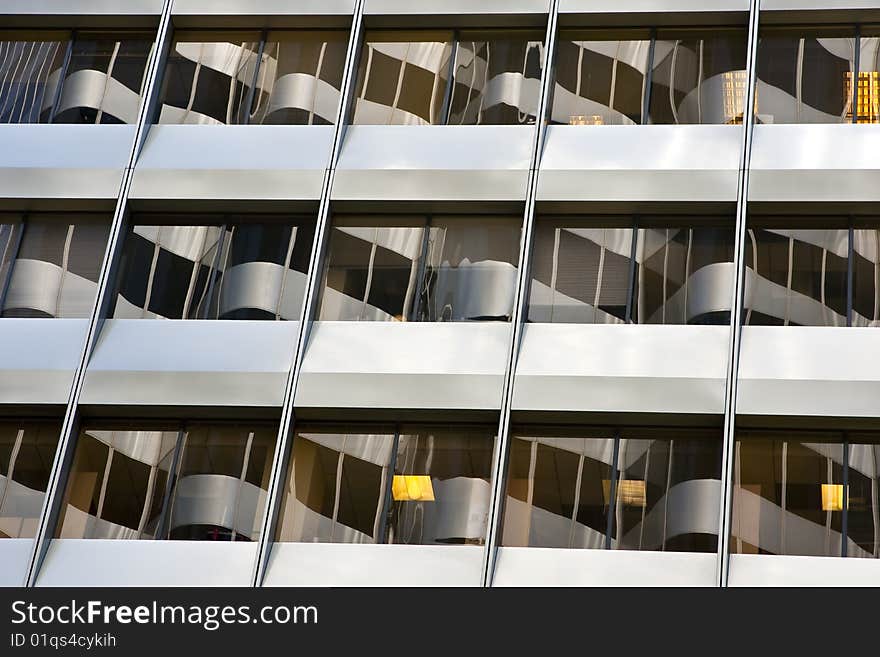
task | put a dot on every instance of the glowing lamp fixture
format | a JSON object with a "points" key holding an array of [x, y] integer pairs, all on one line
{"points": [[412, 488], [832, 497]]}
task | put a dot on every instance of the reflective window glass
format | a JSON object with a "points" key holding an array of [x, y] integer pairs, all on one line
{"points": [[404, 78], [438, 268], [632, 489], [418, 485], [683, 275], [72, 77], [208, 78], [27, 451], [805, 76], [866, 277], [215, 270], [587, 270], [496, 78], [51, 264], [796, 277], [600, 80], [299, 78], [580, 274], [193, 482], [29, 74], [788, 493], [699, 77], [104, 79]]}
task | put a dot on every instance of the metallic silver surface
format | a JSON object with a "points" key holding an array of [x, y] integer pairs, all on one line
{"points": [[640, 163], [189, 363], [233, 162], [63, 161], [561, 567], [338, 564], [39, 359], [634, 369], [96, 562], [404, 365], [433, 163], [709, 370]]}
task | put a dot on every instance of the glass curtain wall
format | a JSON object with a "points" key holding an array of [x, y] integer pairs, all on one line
{"points": [[416, 268], [206, 482], [49, 263], [650, 76], [276, 77], [408, 484], [72, 77], [613, 489], [806, 76], [449, 78], [607, 270], [27, 451], [812, 276], [214, 267], [812, 493]]}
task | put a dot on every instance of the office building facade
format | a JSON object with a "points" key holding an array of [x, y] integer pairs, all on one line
{"points": [[439, 292]]}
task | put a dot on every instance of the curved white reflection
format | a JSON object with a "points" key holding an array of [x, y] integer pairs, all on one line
{"points": [[221, 501], [20, 508], [98, 91], [689, 507], [47, 288]]}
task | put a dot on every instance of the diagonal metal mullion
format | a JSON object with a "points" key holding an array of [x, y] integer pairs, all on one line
{"points": [[722, 566], [502, 443], [284, 441], [53, 498]]}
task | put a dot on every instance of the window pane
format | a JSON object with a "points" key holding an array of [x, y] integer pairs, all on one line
{"points": [[104, 79], [788, 496], [402, 78], [868, 91], [442, 488], [234, 271], [372, 271], [699, 78], [347, 487], [29, 72], [300, 77], [220, 493], [27, 451], [683, 276], [599, 82], [580, 274], [866, 278], [55, 272], [471, 269], [207, 81], [796, 277], [497, 79], [335, 487], [805, 77], [863, 497], [563, 490], [118, 484]]}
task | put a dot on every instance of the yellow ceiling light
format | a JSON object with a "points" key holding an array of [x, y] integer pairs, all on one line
{"points": [[412, 488], [832, 497], [630, 492]]}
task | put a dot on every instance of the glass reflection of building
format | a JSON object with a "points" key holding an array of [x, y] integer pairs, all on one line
{"points": [[396, 479]]}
